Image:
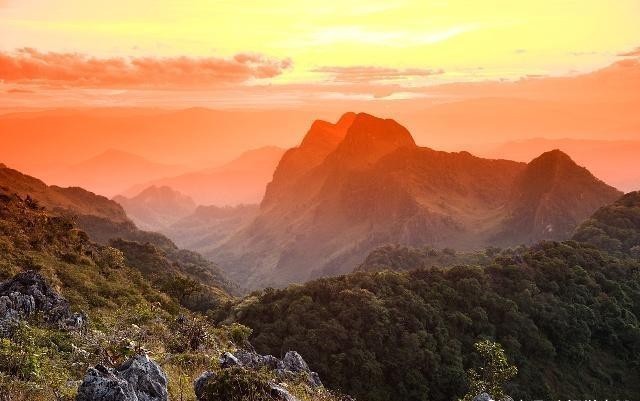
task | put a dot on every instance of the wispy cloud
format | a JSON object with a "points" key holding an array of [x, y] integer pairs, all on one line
{"points": [[632, 53], [30, 66], [363, 74]]}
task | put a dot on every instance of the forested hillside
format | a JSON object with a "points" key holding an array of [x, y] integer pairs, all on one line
{"points": [[566, 313], [615, 227], [74, 313]]}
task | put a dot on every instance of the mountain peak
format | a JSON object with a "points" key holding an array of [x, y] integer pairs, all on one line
{"points": [[554, 156], [324, 136], [159, 190], [551, 196], [369, 138], [554, 168], [157, 207], [347, 119]]}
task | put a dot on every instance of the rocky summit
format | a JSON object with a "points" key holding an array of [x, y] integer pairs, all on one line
{"points": [[353, 186]]}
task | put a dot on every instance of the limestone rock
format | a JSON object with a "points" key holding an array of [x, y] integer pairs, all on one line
{"points": [[138, 379]]}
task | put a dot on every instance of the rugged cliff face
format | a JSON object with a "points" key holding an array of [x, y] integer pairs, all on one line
{"points": [[363, 182]]}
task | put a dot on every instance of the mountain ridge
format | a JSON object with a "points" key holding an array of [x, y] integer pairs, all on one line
{"points": [[240, 181], [157, 207], [375, 187]]}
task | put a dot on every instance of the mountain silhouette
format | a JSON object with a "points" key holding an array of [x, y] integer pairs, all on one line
{"points": [[73, 199], [240, 181], [363, 182], [156, 208], [110, 172], [550, 198], [614, 161]]}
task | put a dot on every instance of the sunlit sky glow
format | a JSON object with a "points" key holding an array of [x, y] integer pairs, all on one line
{"points": [[409, 43]]}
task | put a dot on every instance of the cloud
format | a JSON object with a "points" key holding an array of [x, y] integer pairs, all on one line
{"points": [[632, 53], [30, 66], [361, 74], [18, 90]]}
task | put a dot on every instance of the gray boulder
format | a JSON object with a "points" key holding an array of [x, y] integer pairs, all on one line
{"points": [[14, 307], [138, 379], [279, 393], [483, 397], [254, 360], [293, 362], [102, 384], [27, 293], [200, 383], [291, 365], [228, 360], [146, 377]]}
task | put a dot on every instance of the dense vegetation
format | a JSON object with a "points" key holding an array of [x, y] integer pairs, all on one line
{"points": [[615, 227], [566, 314], [441, 326], [400, 257], [129, 310], [122, 234], [196, 287]]}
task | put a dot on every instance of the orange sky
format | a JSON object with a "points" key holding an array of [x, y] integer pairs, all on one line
{"points": [[266, 54], [459, 74]]}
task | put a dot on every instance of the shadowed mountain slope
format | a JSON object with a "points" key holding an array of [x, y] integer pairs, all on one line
{"points": [[614, 227], [104, 221], [156, 208], [366, 184]]}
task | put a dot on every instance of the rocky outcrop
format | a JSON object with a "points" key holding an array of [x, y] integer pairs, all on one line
{"points": [[487, 397], [138, 379], [246, 385], [292, 365], [28, 293], [102, 384], [483, 397]]}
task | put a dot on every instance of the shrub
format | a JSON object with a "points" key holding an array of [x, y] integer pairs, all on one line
{"points": [[493, 375], [237, 384]]}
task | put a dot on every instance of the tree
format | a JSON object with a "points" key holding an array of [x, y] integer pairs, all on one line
{"points": [[492, 376]]}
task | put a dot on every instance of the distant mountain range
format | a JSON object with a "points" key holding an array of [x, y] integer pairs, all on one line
{"points": [[210, 226], [157, 207], [167, 211], [614, 161], [194, 136], [240, 181], [362, 182], [75, 200], [106, 223], [109, 172]]}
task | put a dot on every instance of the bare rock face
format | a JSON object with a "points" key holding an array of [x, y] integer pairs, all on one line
{"points": [[483, 397], [102, 384], [138, 379], [199, 386], [291, 364], [245, 367], [293, 361], [228, 360], [29, 292]]}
